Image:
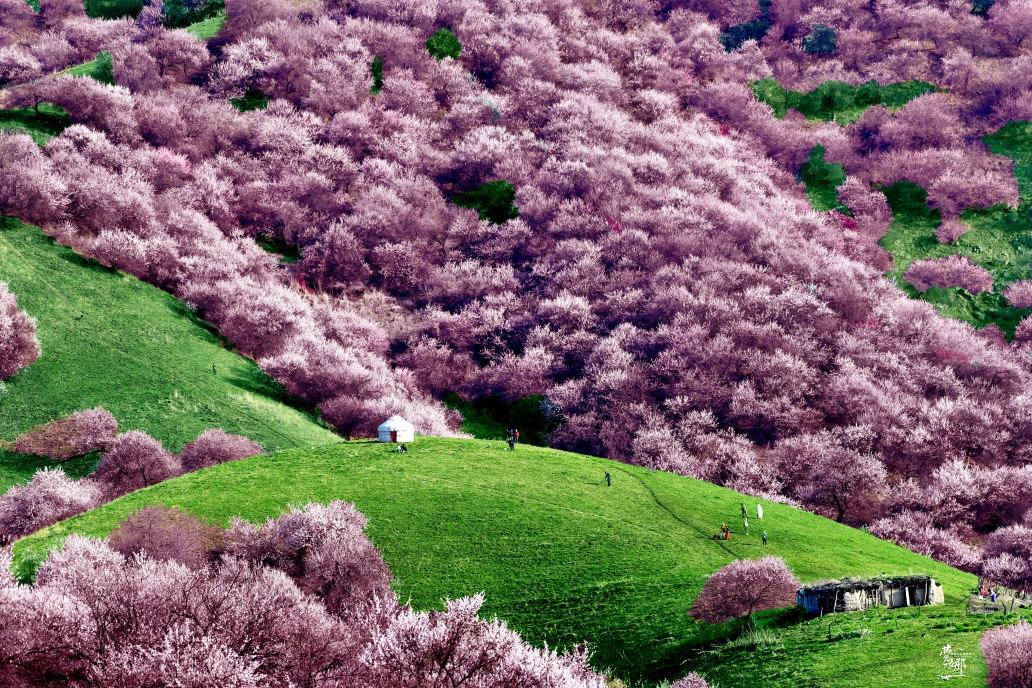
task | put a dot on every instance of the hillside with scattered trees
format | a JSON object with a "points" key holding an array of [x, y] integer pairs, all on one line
{"points": [[782, 246]]}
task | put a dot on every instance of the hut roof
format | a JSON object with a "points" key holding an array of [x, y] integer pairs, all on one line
{"points": [[853, 584], [395, 423]]}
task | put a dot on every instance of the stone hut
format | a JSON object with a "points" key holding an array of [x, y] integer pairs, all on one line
{"points": [[855, 594]]}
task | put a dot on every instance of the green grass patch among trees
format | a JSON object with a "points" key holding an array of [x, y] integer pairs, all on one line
{"points": [[837, 101], [40, 123]]}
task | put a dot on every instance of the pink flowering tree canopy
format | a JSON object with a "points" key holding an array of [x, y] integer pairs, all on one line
{"points": [[743, 587], [18, 344], [76, 435], [1008, 654], [951, 271]]}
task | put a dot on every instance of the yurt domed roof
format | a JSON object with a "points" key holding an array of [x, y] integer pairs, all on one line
{"points": [[396, 423]]}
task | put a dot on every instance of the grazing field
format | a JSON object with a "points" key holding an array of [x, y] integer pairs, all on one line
{"points": [[564, 558], [109, 339]]}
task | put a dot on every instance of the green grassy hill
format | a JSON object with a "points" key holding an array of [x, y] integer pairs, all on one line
{"points": [[563, 558], [109, 339]]}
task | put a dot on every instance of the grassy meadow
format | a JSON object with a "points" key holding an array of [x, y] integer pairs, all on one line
{"points": [[564, 558], [109, 339]]}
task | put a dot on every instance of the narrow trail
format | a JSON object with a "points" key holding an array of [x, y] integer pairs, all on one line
{"points": [[667, 509]]}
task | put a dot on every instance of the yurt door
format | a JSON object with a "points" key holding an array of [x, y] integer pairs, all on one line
{"points": [[394, 435]]}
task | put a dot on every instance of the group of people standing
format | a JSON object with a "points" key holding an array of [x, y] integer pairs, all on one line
{"points": [[725, 531], [512, 436]]}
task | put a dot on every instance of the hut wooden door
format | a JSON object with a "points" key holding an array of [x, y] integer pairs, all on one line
{"points": [[394, 435]]}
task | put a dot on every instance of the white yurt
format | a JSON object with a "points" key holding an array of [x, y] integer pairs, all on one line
{"points": [[396, 429]]}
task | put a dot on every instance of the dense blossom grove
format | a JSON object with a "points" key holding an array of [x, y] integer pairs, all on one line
{"points": [[303, 600], [18, 344], [666, 283]]}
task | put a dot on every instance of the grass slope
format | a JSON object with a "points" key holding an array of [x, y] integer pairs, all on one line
{"points": [[206, 30], [822, 180], [562, 557], [109, 339], [999, 239]]}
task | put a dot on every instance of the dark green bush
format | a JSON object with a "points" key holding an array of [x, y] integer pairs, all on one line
{"points": [[113, 9], [490, 417], [752, 30], [443, 44], [104, 71], [377, 71], [737, 35], [981, 7], [175, 14], [252, 100], [494, 201], [821, 40]]}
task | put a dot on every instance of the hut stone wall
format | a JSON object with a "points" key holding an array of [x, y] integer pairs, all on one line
{"points": [[851, 594]]}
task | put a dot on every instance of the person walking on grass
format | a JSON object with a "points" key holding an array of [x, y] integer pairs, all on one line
{"points": [[764, 536], [609, 479], [213, 369], [512, 441], [745, 513], [516, 434], [745, 522]]}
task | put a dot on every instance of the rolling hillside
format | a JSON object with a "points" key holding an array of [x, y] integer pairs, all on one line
{"points": [[109, 339], [563, 558]]}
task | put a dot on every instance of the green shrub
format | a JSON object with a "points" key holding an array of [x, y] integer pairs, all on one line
{"points": [[252, 100], [752, 30], [443, 44], [737, 35], [494, 201], [981, 7], [176, 16]]}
